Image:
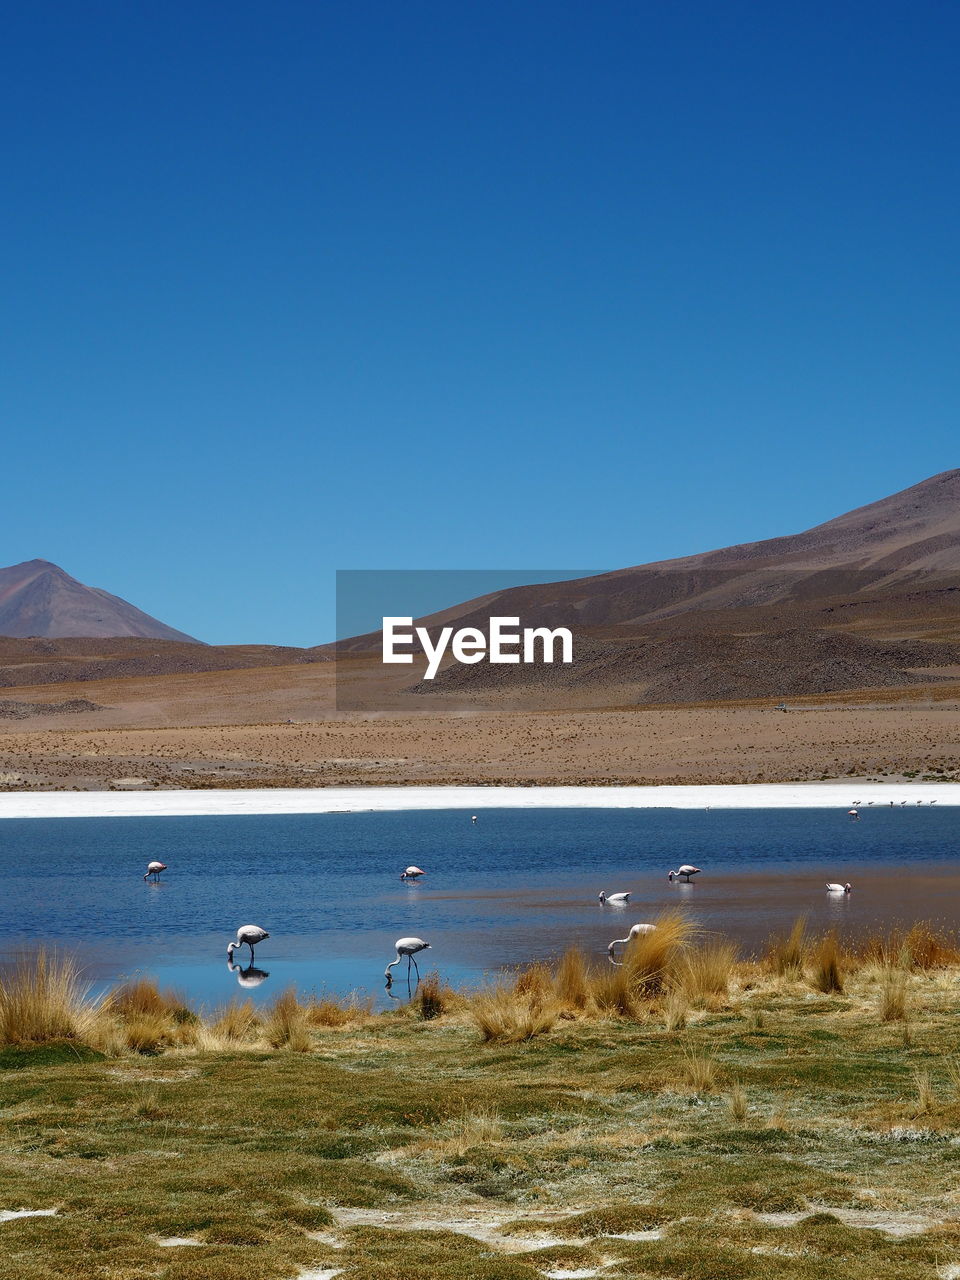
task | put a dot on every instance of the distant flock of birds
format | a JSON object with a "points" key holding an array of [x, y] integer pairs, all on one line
{"points": [[251, 935]]}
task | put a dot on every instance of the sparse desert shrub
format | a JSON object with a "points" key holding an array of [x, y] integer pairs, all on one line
{"points": [[286, 1026], [44, 998], [786, 956], [505, 1015], [827, 974], [953, 1075]]}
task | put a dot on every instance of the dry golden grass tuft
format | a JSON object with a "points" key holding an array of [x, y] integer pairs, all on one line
{"points": [[572, 982], [787, 956], [676, 1008], [737, 1102], [892, 998], [475, 1127], [328, 1011], [922, 947], [142, 997], [827, 971], [651, 959], [286, 1025], [235, 1024], [435, 998], [43, 999], [507, 1016], [703, 975], [699, 1071], [926, 1093]]}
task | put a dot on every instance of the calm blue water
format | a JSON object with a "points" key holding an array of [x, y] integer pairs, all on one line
{"points": [[518, 885]]}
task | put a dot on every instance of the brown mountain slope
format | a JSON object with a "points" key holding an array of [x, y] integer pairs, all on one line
{"points": [[38, 599], [907, 540], [901, 544], [871, 598]]}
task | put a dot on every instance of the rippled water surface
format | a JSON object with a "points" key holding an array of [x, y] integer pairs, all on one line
{"points": [[517, 885]]}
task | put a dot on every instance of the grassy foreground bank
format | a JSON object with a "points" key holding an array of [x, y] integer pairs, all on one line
{"points": [[684, 1115]]}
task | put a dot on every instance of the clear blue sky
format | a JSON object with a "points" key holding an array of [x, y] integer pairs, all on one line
{"points": [[293, 287]]}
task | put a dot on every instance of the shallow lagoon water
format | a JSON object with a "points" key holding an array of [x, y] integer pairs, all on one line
{"points": [[517, 885]]}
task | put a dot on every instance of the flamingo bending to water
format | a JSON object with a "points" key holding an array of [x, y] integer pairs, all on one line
{"points": [[838, 888], [635, 932], [412, 873], [615, 898], [406, 947], [154, 869], [686, 871], [248, 935]]}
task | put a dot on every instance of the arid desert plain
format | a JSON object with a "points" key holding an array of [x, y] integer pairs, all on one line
{"points": [[278, 726]]}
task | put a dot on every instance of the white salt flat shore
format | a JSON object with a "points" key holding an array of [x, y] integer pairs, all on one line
{"points": [[160, 804]]}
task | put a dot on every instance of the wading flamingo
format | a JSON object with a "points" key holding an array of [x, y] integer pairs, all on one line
{"points": [[154, 869], [248, 935], [838, 888], [686, 871], [406, 947], [635, 932], [615, 898], [412, 873]]}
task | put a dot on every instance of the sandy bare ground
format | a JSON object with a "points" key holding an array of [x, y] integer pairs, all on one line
{"points": [[278, 727]]}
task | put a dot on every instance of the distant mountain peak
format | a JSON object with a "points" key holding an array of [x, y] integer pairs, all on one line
{"points": [[38, 598]]}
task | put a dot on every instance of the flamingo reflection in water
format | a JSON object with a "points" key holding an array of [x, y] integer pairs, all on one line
{"points": [[248, 977]]}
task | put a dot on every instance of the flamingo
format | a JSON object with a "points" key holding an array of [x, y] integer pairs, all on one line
{"points": [[838, 888], [248, 935], [635, 932], [616, 898], [154, 869], [686, 871], [474, 818], [853, 814], [412, 873], [406, 947]]}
